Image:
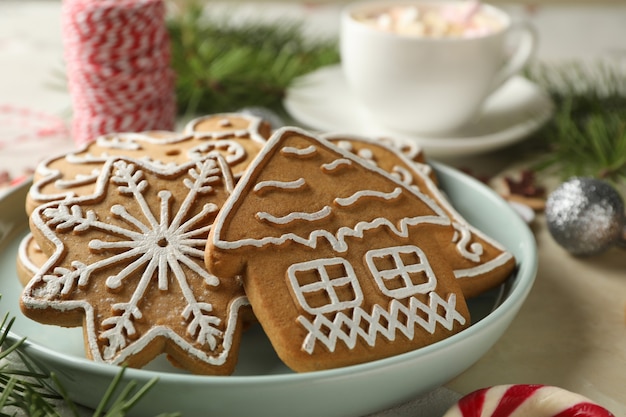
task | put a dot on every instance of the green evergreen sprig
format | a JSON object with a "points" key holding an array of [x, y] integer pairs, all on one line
{"points": [[36, 393], [221, 66], [587, 135]]}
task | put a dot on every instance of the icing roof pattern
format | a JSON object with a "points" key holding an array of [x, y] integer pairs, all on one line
{"points": [[328, 192]]}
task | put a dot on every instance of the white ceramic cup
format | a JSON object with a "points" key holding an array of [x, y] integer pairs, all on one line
{"points": [[428, 85]]}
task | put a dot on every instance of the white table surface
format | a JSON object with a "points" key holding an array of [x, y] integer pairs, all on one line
{"points": [[571, 331]]}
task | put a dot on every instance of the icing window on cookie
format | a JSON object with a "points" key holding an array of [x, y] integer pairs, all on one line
{"points": [[401, 271], [325, 285]]}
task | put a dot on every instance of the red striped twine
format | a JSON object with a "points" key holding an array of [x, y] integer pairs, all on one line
{"points": [[118, 55]]}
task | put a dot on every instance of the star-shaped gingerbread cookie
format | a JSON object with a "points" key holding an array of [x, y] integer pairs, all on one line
{"points": [[127, 265]]}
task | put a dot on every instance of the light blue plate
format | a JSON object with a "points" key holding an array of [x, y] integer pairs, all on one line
{"points": [[262, 385]]}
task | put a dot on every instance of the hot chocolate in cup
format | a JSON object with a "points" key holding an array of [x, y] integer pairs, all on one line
{"points": [[428, 67]]}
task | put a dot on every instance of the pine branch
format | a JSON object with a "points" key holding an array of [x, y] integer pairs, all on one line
{"points": [[587, 135], [35, 392], [224, 67]]}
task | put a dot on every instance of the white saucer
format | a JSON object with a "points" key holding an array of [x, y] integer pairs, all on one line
{"points": [[321, 100]]}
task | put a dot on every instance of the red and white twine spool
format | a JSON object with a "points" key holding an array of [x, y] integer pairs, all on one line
{"points": [[526, 401], [118, 60]]}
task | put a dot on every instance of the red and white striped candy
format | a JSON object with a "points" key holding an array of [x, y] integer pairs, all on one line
{"points": [[117, 54], [526, 401]]}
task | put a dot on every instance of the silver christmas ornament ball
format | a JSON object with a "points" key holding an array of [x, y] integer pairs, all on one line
{"points": [[585, 216]]}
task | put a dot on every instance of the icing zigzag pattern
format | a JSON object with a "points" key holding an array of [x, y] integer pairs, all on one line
{"points": [[387, 323]]}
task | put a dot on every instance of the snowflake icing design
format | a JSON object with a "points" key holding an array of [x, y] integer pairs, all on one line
{"points": [[154, 248]]}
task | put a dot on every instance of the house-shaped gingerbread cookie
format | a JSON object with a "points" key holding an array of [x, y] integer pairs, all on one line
{"points": [[341, 261]]}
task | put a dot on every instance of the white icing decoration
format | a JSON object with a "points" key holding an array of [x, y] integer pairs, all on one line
{"points": [[235, 152], [262, 187], [223, 135], [321, 214], [133, 140], [117, 141], [225, 123], [463, 238], [252, 131], [338, 240], [157, 332], [23, 254], [366, 154], [86, 158], [367, 326], [229, 181], [483, 268], [336, 165], [290, 150], [144, 240], [78, 181], [402, 174], [402, 271], [344, 144], [165, 332], [326, 284], [408, 149], [47, 176], [354, 198], [424, 169]]}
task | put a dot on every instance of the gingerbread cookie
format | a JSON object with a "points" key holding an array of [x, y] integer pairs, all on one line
{"points": [[236, 137], [479, 262], [127, 264], [337, 256]]}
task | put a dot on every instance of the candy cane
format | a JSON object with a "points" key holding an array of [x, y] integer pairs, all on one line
{"points": [[526, 401]]}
